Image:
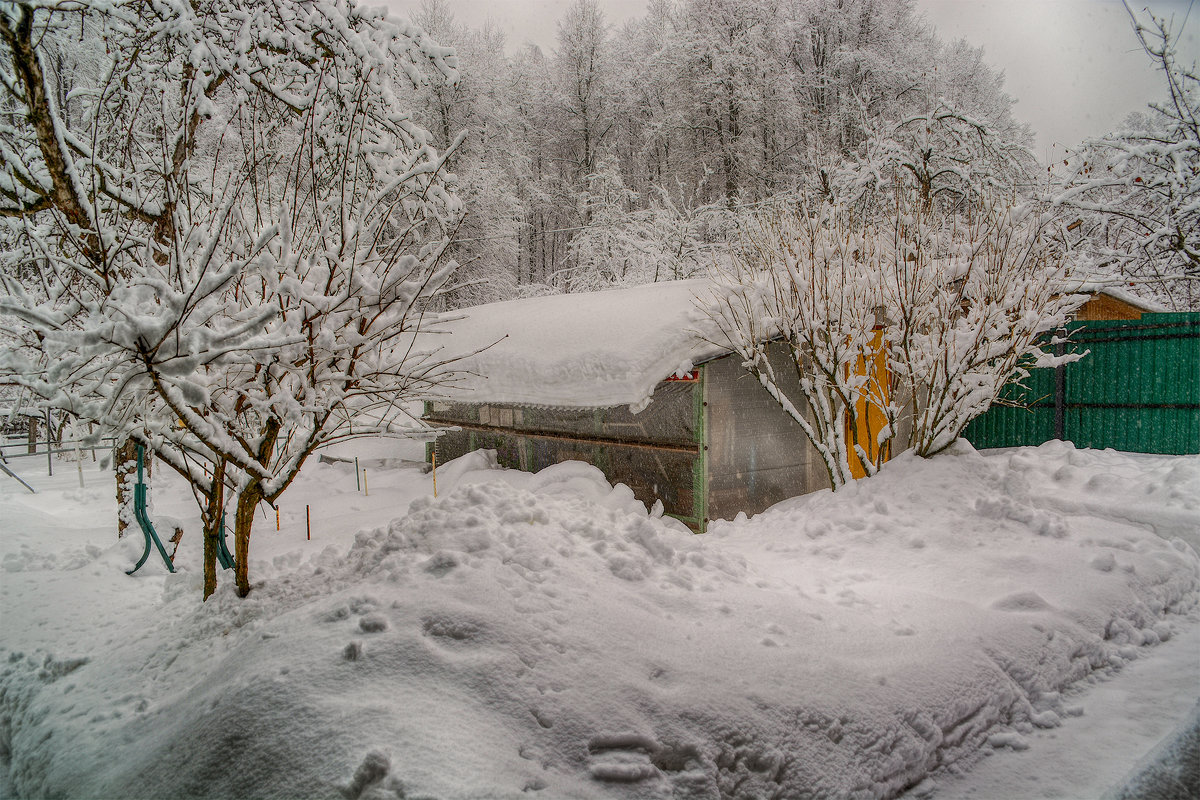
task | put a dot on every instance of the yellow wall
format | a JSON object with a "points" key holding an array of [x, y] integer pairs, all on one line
{"points": [[870, 419]]}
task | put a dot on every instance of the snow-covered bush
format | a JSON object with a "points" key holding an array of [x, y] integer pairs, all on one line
{"points": [[220, 230], [805, 276], [946, 307], [973, 300]]}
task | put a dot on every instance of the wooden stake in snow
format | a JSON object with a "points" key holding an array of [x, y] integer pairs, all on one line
{"points": [[357, 485], [308, 524], [78, 452], [277, 518]]}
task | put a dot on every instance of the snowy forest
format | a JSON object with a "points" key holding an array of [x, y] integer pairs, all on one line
{"points": [[630, 155], [245, 246]]}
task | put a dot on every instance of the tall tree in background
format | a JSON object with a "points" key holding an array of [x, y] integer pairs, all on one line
{"points": [[489, 164], [582, 85], [226, 248], [1135, 194]]}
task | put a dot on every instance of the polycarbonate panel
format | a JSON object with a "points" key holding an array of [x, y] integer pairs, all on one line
{"points": [[653, 473], [452, 444], [668, 419], [757, 455]]}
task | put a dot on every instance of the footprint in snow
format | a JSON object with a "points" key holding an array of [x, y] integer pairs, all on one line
{"points": [[622, 758]]}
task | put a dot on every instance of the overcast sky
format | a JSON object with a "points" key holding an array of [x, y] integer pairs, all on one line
{"points": [[1073, 66]]}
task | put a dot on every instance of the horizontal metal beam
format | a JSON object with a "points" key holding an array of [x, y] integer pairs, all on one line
{"points": [[1169, 406], [612, 441]]}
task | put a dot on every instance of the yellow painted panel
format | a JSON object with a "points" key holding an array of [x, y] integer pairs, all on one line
{"points": [[870, 419]]}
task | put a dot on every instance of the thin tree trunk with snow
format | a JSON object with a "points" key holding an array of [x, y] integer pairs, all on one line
{"points": [[212, 518], [125, 469], [247, 503]]}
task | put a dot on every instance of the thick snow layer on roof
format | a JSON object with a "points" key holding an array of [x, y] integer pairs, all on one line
{"points": [[592, 349], [1106, 284]]}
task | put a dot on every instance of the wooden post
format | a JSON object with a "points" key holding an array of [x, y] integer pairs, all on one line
{"points": [[49, 447], [78, 452], [357, 485], [276, 518], [1060, 396], [308, 523]]}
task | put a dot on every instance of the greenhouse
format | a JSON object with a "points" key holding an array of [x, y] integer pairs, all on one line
{"points": [[631, 389]]}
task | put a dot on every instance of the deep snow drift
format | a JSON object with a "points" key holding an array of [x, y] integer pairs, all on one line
{"points": [[543, 635]]}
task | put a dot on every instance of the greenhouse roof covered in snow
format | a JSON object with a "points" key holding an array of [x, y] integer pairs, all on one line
{"points": [[584, 350], [593, 349]]}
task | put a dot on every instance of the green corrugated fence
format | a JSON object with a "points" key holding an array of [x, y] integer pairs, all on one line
{"points": [[1138, 390]]}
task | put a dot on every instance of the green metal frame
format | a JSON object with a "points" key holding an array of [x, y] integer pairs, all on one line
{"points": [[139, 513], [224, 557]]}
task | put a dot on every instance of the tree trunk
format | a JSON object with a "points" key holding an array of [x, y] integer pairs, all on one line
{"points": [[126, 471], [211, 518], [248, 501]]}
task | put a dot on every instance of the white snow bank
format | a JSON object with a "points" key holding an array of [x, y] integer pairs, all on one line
{"points": [[543, 635], [584, 350]]}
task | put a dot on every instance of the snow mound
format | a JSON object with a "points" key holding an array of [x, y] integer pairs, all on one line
{"points": [[544, 635], [589, 528]]}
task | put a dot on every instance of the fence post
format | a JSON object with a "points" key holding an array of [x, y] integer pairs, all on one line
{"points": [[49, 447], [79, 453], [1060, 395]]}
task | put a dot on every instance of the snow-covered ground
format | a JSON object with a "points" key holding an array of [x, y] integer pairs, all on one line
{"points": [[1005, 625]]}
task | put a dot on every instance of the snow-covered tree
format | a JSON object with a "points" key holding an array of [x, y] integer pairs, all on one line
{"points": [[619, 243], [945, 154], [489, 165], [1134, 195], [697, 103], [227, 250]]}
